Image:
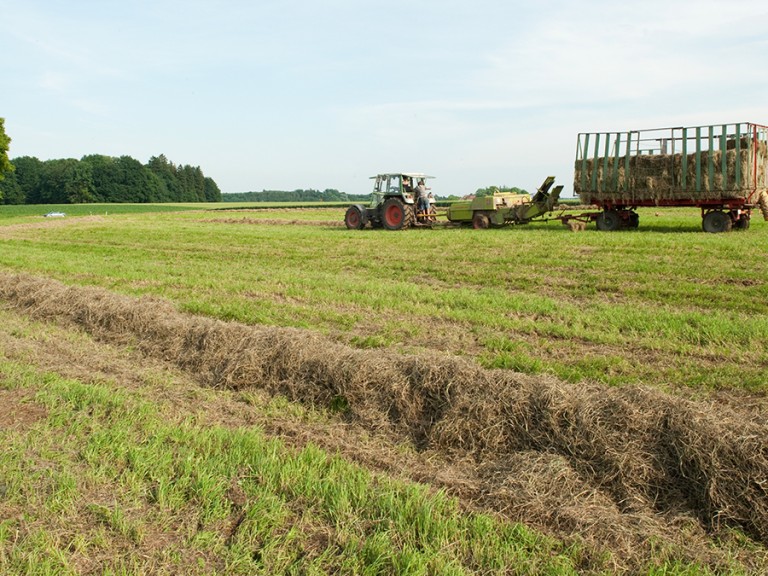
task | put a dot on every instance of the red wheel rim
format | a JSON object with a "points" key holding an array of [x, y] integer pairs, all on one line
{"points": [[394, 215]]}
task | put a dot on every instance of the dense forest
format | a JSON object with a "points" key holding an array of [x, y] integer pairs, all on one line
{"points": [[98, 178]]}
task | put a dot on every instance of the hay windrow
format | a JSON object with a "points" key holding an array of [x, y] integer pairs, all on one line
{"points": [[617, 466], [277, 222]]}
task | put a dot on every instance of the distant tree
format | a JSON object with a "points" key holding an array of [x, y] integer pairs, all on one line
{"points": [[79, 187], [166, 171], [131, 178], [124, 179], [5, 143], [212, 192], [66, 181], [103, 175], [493, 189], [10, 189], [311, 195], [192, 183], [333, 195], [29, 175], [157, 190]]}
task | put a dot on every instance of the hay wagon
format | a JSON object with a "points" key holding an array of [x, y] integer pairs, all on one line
{"points": [[720, 169]]}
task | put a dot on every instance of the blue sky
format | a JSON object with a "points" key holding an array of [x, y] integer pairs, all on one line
{"points": [[296, 94]]}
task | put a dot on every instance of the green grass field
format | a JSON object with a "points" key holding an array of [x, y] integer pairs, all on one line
{"points": [[96, 478], [121, 465], [665, 305]]}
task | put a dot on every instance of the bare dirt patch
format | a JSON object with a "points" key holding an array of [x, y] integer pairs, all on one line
{"points": [[52, 223], [18, 411]]}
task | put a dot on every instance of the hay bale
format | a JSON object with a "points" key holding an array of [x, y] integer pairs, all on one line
{"points": [[658, 177]]}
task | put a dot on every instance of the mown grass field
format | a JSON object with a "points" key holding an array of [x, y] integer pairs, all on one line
{"points": [[101, 473], [665, 305], [116, 464]]}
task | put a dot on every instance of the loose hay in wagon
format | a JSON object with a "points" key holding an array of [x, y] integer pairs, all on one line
{"points": [[720, 169]]}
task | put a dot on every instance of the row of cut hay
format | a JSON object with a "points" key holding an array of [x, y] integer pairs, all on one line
{"points": [[631, 452], [660, 177], [277, 221]]}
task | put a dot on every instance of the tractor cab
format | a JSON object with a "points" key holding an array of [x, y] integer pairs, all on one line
{"points": [[400, 185]]}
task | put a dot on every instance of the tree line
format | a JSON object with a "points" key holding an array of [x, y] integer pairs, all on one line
{"points": [[333, 195], [99, 178], [299, 195], [5, 164]]}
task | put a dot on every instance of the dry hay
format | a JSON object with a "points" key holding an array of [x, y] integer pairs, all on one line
{"points": [[762, 202], [617, 467], [574, 207], [660, 177], [276, 221], [575, 225]]}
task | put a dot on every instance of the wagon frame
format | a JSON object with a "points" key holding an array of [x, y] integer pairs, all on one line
{"points": [[720, 169]]}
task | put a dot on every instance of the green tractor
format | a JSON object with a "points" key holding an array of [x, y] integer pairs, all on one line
{"points": [[393, 204], [502, 208]]}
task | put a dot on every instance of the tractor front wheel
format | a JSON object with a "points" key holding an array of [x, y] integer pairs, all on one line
{"points": [[354, 219], [395, 215]]}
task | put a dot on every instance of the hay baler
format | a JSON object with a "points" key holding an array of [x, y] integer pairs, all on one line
{"points": [[503, 208]]}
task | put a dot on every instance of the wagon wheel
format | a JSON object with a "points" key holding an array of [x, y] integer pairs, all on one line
{"points": [[609, 220], [634, 220], [395, 215], [354, 218], [480, 221], [716, 221]]}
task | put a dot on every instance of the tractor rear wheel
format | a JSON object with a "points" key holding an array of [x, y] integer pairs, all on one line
{"points": [[354, 218], [395, 215], [609, 220], [480, 221], [716, 221]]}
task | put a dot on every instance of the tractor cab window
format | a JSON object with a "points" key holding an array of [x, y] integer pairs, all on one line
{"points": [[393, 185]]}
